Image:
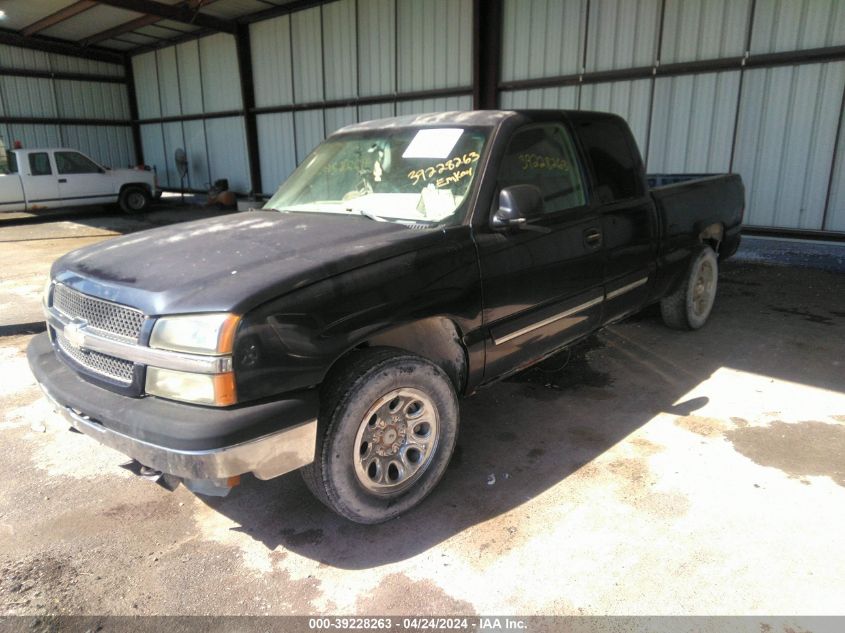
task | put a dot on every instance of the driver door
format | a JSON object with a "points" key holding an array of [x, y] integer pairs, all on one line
{"points": [[542, 282], [81, 180]]}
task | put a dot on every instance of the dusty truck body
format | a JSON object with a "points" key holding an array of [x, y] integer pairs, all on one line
{"points": [[50, 178], [406, 262]]}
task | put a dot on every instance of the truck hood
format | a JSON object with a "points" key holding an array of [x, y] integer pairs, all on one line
{"points": [[233, 262]]}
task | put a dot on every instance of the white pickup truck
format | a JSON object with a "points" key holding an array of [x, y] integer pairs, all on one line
{"points": [[34, 179]]}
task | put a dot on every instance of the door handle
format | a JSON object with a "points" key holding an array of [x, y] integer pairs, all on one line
{"points": [[62, 179], [592, 238]]}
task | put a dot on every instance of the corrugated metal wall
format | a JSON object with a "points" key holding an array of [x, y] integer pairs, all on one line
{"points": [[198, 77], [776, 126], [66, 99], [306, 64]]}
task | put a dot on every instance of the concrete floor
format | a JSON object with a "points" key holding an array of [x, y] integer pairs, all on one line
{"points": [[646, 472]]}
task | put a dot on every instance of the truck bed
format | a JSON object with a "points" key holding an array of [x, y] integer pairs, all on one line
{"points": [[687, 204]]}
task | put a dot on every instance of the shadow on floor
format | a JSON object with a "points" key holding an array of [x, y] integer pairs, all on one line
{"points": [[535, 430]]}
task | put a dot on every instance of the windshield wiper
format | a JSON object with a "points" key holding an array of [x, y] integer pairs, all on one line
{"points": [[372, 216]]}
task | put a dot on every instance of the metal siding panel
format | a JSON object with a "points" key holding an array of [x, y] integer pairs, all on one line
{"points": [[563, 98], [836, 207], [339, 43], [785, 25], [439, 104], [65, 63], [32, 135], [622, 34], [226, 140], [376, 47], [704, 29], [146, 85], [152, 143], [195, 149], [28, 96], [337, 118], [276, 150], [168, 81], [91, 100], [190, 82], [308, 126], [693, 123], [221, 82], [307, 56], [110, 146], [784, 148], [376, 111], [173, 139], [271, 63], [629, 99], [542, 38], [436, 50], [24, 58]]}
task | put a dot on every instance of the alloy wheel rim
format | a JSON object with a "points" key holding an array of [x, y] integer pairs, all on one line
{"points": [[703, 289], [396, 441], [136, 200]]}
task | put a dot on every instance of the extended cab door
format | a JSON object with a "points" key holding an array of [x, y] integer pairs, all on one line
{"points": [[628, 215], [81, 180], [542, 282], [39, 180]]}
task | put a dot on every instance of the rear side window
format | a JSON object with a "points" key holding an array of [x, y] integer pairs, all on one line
{"points": [[543, 155], [75, 163], [39, 164], [616, 160]]}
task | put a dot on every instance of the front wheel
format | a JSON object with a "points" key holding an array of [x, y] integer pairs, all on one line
{"points": [[388, 427], [689, 307], [134, 199]]}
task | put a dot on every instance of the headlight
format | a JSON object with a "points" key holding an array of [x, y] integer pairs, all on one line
{"points": [[196, 333], [213, 389]]}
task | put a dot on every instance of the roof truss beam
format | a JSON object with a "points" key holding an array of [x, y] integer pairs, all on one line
{"points": [[59, 16], [178, 13], [120, 29]]}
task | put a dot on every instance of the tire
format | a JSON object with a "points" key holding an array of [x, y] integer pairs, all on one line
{"points": [[387, 430], [134, 199], [689, 307]]}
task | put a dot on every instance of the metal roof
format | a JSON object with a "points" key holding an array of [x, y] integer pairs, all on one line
{"points": [[103, 29]]}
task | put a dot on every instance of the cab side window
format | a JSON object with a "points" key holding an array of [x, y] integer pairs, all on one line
{"points": [[619, 173], [75, 163], [543, 155], [39, 164]]}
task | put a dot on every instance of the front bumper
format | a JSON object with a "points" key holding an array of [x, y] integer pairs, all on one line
{"points": [[186, 441]]}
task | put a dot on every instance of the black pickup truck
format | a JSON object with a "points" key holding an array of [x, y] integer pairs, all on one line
{"points": [[406, 262]]}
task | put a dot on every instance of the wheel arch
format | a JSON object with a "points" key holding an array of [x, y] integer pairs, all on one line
{"points": [[143, 185], [437, 339], [712, 235]]}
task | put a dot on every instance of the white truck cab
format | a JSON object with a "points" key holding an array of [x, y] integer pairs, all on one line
{"points": [[49, 178]]}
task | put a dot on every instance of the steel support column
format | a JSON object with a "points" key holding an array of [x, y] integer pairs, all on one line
{"points": [[133, 111], [486, 53], [248, 98]]}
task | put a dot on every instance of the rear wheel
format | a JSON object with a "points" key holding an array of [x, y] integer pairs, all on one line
{"points": [[689, 307], [388, 427], [134, 199]]}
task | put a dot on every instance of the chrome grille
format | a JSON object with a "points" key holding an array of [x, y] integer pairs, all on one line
{"points": [[110, 319], [98, 363]]}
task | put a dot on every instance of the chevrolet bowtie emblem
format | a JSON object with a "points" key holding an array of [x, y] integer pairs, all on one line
{"points": [[74, 333]]}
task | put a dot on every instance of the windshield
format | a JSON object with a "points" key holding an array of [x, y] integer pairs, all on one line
{"points": [[409, 175]]}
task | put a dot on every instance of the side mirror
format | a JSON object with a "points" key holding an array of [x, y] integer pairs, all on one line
{"points": [[517, 203]]}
